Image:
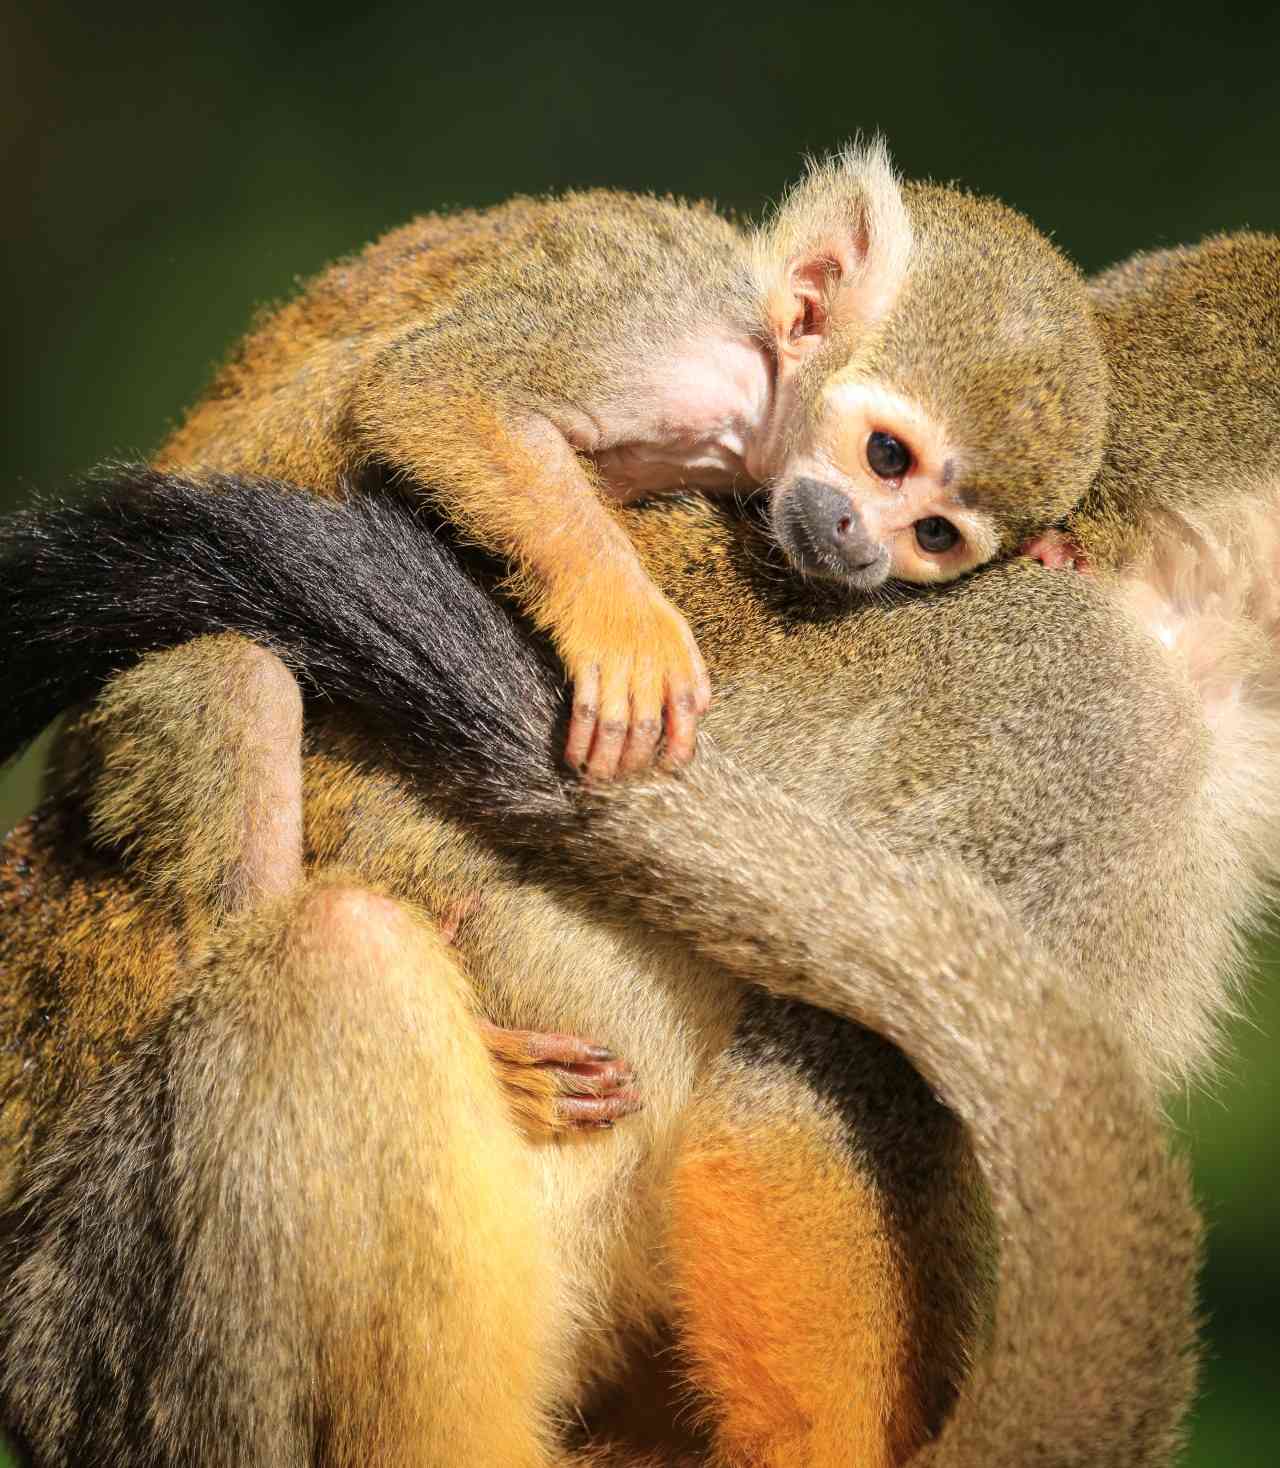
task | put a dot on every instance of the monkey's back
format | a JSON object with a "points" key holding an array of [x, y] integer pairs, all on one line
{"points": [[545, 281], [1192, 337], [908, 724]]}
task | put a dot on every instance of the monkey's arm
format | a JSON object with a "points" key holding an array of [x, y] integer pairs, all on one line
{"points": [[506, 474], [190, 768]]}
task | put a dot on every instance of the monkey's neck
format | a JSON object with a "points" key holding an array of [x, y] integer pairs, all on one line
{"points": [[694, 417]]}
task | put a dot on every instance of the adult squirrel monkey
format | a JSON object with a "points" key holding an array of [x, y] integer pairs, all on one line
{"points": [[259, 1172]]}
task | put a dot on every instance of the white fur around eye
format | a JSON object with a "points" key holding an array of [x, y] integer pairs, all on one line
{"points": [[871, 399]]}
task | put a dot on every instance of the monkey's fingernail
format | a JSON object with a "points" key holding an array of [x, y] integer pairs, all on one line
{"points": [[598, 1052]]}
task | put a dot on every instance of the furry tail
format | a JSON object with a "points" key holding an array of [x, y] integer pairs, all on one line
{"points": [[357, 599]]}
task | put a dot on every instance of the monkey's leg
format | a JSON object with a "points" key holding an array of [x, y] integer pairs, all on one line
{"points": [[294, 1225], [821, 1237], [192, 763], [192, 768]]}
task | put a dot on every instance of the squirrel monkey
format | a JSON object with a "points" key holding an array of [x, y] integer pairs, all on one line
{"points": [[162, 1246], [195, 1134], [908, 370]]}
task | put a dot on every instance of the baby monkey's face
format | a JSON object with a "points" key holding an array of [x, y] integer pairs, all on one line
{"points": [[872, 487], [939, 391]]}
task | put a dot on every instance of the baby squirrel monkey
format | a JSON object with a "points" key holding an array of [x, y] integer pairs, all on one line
{"points": [[909, 372]]}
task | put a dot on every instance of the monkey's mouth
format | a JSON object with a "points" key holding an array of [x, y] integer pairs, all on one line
{"points": [[822, 535]]}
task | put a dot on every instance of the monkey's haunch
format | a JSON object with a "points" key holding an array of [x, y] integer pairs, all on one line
{"points": [[359, 599]]}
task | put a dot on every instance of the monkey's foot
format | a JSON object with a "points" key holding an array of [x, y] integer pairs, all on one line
{"points": [[1056, 550], [558, 1083]]}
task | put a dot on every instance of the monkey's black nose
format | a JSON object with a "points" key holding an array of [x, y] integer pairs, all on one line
{"points": [[823, 535]]}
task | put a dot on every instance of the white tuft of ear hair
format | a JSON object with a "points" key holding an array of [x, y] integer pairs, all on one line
{"points": [[848, 209]]}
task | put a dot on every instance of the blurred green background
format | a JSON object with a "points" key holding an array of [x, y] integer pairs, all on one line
{"points": [[168, 171]]}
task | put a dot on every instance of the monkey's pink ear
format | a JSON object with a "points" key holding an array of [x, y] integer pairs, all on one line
{"points": [[840, 279], [838, 250], [800, 303]]}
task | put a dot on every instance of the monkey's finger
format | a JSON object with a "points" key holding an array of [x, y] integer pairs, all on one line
{"points": [[596, 1111], [688, 698], [582, 721], [534, 1047], [1056, 550], [682, 726], [612, 724], [455, 916], [646, 727], [701, 683], [594, 1080]]}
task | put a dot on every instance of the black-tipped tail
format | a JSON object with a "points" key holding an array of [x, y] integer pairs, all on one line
{"points": [[358, 598]]}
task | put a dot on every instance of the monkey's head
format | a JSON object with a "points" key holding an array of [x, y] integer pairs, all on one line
{"points": [[940, 391]]}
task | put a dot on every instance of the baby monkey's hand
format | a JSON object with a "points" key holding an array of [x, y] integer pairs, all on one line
{"points": [[636, 673], [554, 1082], [558, 1083], [1056, 550]]}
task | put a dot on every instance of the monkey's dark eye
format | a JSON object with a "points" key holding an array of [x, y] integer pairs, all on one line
{"points": [[889, 457], [935, 535]]}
